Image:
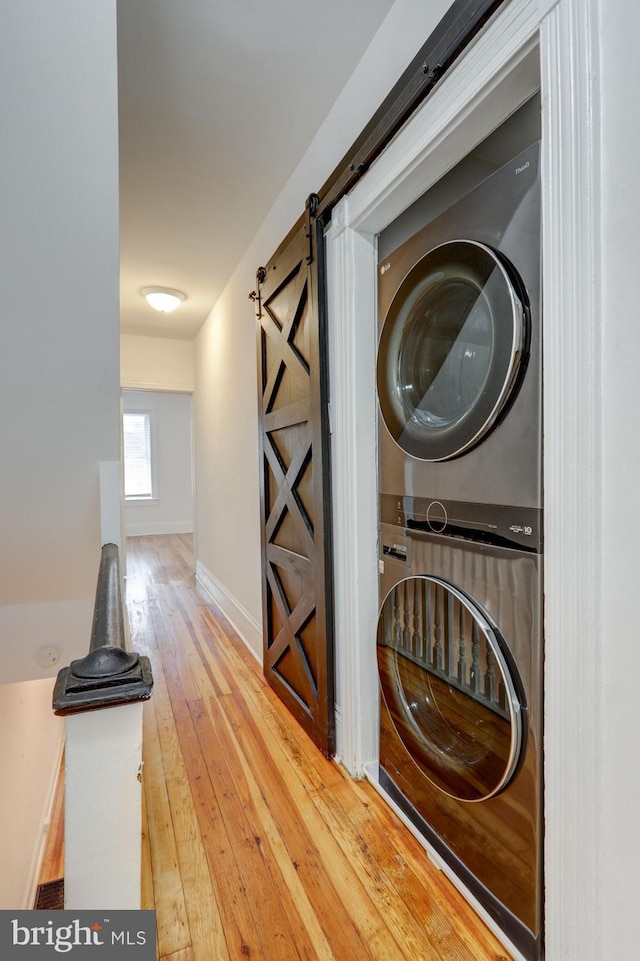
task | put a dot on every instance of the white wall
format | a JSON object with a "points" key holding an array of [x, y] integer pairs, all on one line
{"points": [[226, 425], [28, 761], [171, 509], [156, 363], [59, 378], [59, 383], [619, 651]]}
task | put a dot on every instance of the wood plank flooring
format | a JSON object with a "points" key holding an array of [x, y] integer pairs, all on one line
{"points": [[53, 861], [254, 845]]}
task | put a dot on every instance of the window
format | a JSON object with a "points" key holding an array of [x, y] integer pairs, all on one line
{"points": [[138, 468]]}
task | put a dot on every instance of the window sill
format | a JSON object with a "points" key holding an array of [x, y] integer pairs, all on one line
{"points": [[137, 501]]}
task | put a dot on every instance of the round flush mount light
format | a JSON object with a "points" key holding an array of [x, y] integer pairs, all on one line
{"points": [[164, 299]]}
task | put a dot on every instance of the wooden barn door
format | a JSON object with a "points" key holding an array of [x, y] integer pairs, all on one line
{"points": [[295, 496]]}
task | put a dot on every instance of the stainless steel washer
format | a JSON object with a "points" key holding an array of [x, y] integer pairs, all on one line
{"points": [[459, 649]]}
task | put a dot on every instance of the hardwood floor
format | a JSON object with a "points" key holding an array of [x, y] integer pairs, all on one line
{"points": [[254, 845], [53, 861]]}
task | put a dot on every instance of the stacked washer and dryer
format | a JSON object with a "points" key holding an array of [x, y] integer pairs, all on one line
{"points": [[460, 643]]}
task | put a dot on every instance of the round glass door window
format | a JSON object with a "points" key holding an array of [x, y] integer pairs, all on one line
{"points": [[449, 689], [451, 350]]}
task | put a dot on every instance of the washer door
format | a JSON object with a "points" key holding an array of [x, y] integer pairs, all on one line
{"points": [[451, 350], [449, 688]]}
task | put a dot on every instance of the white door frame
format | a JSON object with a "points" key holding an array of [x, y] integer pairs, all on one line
{"points": [[531, 45]]}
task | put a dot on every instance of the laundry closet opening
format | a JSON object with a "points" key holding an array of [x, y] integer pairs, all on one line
{"points": [[458, 141]]}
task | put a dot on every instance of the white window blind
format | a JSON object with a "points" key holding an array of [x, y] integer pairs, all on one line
{"points": [[138, 474]]}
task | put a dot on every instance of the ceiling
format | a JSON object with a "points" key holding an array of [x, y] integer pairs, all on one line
{"points": [[218, 101]]}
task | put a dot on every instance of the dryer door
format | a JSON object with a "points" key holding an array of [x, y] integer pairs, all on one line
{"points": [[451, 349], [450, 688]]}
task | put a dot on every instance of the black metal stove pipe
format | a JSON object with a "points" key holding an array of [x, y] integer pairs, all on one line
{"points": [[108, 674]]}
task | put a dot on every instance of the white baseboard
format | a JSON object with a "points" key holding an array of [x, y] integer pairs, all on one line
{"points": [[153, 527], [246, 626], [339, 737], [41, 842]]}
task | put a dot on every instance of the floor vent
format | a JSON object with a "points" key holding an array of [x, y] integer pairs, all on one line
{"points": [[50, 896]]}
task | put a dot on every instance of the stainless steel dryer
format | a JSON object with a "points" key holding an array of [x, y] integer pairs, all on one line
{"points": [[458, 370], [459, 650]]}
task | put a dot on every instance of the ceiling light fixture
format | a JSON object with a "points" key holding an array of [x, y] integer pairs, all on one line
{"points": [[163, 299]]}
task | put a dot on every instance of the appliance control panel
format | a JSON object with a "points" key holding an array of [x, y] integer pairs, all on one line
{"points": [[518, 527]]}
